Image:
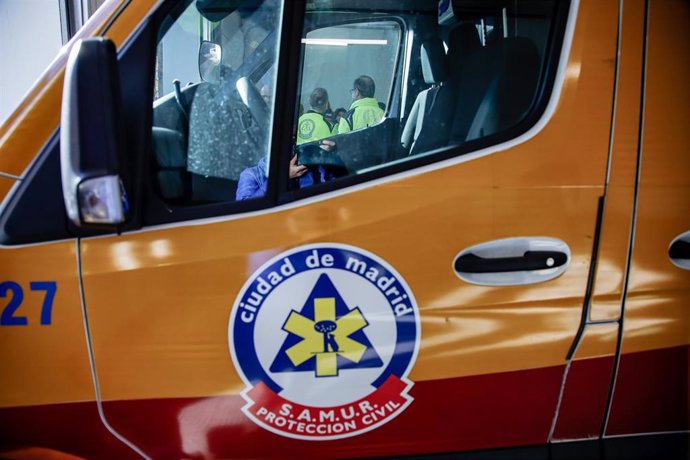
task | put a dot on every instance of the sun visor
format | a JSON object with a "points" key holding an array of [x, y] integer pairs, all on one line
{"points": [[217, 10]]}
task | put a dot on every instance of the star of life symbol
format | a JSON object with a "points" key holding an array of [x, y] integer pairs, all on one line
{"points": [[324, 337]]}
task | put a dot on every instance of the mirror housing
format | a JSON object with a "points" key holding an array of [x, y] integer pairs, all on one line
{"points": [[91, 140]]}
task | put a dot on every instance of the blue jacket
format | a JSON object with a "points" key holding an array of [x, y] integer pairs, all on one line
{"points": [[253, 180]]}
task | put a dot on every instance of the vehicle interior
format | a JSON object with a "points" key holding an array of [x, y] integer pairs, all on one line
{"points": [[450, 77]]}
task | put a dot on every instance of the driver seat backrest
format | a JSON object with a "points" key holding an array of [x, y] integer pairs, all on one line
{"points": [[435, 71], [463, 41], [170, 155], [495, 89], [223, 141]]}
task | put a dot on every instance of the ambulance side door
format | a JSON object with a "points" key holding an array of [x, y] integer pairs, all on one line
{"points": [[407, 302]]}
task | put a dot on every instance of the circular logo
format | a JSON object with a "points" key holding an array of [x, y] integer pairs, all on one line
{"points": [[306, 128], [324, 337]]}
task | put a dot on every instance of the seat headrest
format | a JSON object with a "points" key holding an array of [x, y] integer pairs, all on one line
{"points": [[434, 65], [462, 41]]}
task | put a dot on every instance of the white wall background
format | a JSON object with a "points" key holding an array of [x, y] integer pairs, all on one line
{"points": [[30, 37]]}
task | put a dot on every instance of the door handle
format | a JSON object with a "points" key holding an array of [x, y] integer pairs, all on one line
{"points": [[530, 260], [679, 251], [513, 261]]}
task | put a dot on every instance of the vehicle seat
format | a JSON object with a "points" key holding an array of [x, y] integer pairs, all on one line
{"points": [[435, 71], [435, 131], [224, 139], [462, 41], [173, 180], [496, 88]]}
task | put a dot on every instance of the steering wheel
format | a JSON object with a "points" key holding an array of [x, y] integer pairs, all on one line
{"points": [[251, 98]]}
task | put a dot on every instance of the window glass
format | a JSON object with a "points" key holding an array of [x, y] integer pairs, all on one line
{"points": [[178, 52], [213, 100], [335, 56], [415, 79]]}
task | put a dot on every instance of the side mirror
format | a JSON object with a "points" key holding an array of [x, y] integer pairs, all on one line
{"points": [[91, 140], [209, 61]]}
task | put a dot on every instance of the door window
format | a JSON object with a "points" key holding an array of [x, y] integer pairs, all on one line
{"points": [[469, 78], [335, 56], [213, 100]]}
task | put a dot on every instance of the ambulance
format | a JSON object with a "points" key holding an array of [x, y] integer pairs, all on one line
{"points": [[493, 261]]}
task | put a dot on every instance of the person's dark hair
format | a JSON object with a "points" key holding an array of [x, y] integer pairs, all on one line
{"points": [[318, 99], [365, 85], [339, 111]]}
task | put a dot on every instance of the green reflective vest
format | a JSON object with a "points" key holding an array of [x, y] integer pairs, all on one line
{"points": [[312, 126], [363, 113]]}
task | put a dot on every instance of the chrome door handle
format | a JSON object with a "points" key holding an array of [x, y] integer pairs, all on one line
{"points": [[513, 261], [530, 260], [679, 251]]}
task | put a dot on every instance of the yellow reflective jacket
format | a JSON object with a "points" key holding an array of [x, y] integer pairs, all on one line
{"points": [[363, 113], [313, 126]]}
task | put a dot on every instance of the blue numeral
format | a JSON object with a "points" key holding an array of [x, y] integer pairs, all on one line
{"points": [[47, 309], [8, 318]]}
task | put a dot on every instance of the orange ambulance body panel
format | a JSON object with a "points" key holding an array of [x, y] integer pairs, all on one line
{"points": [[656, 321], [613, 252], [55, 368], [658, 291], [6, 185]]}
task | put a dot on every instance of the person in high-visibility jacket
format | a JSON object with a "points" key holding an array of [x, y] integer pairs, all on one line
{"points": [[316, 124], [365, 110], [313, 125]]}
